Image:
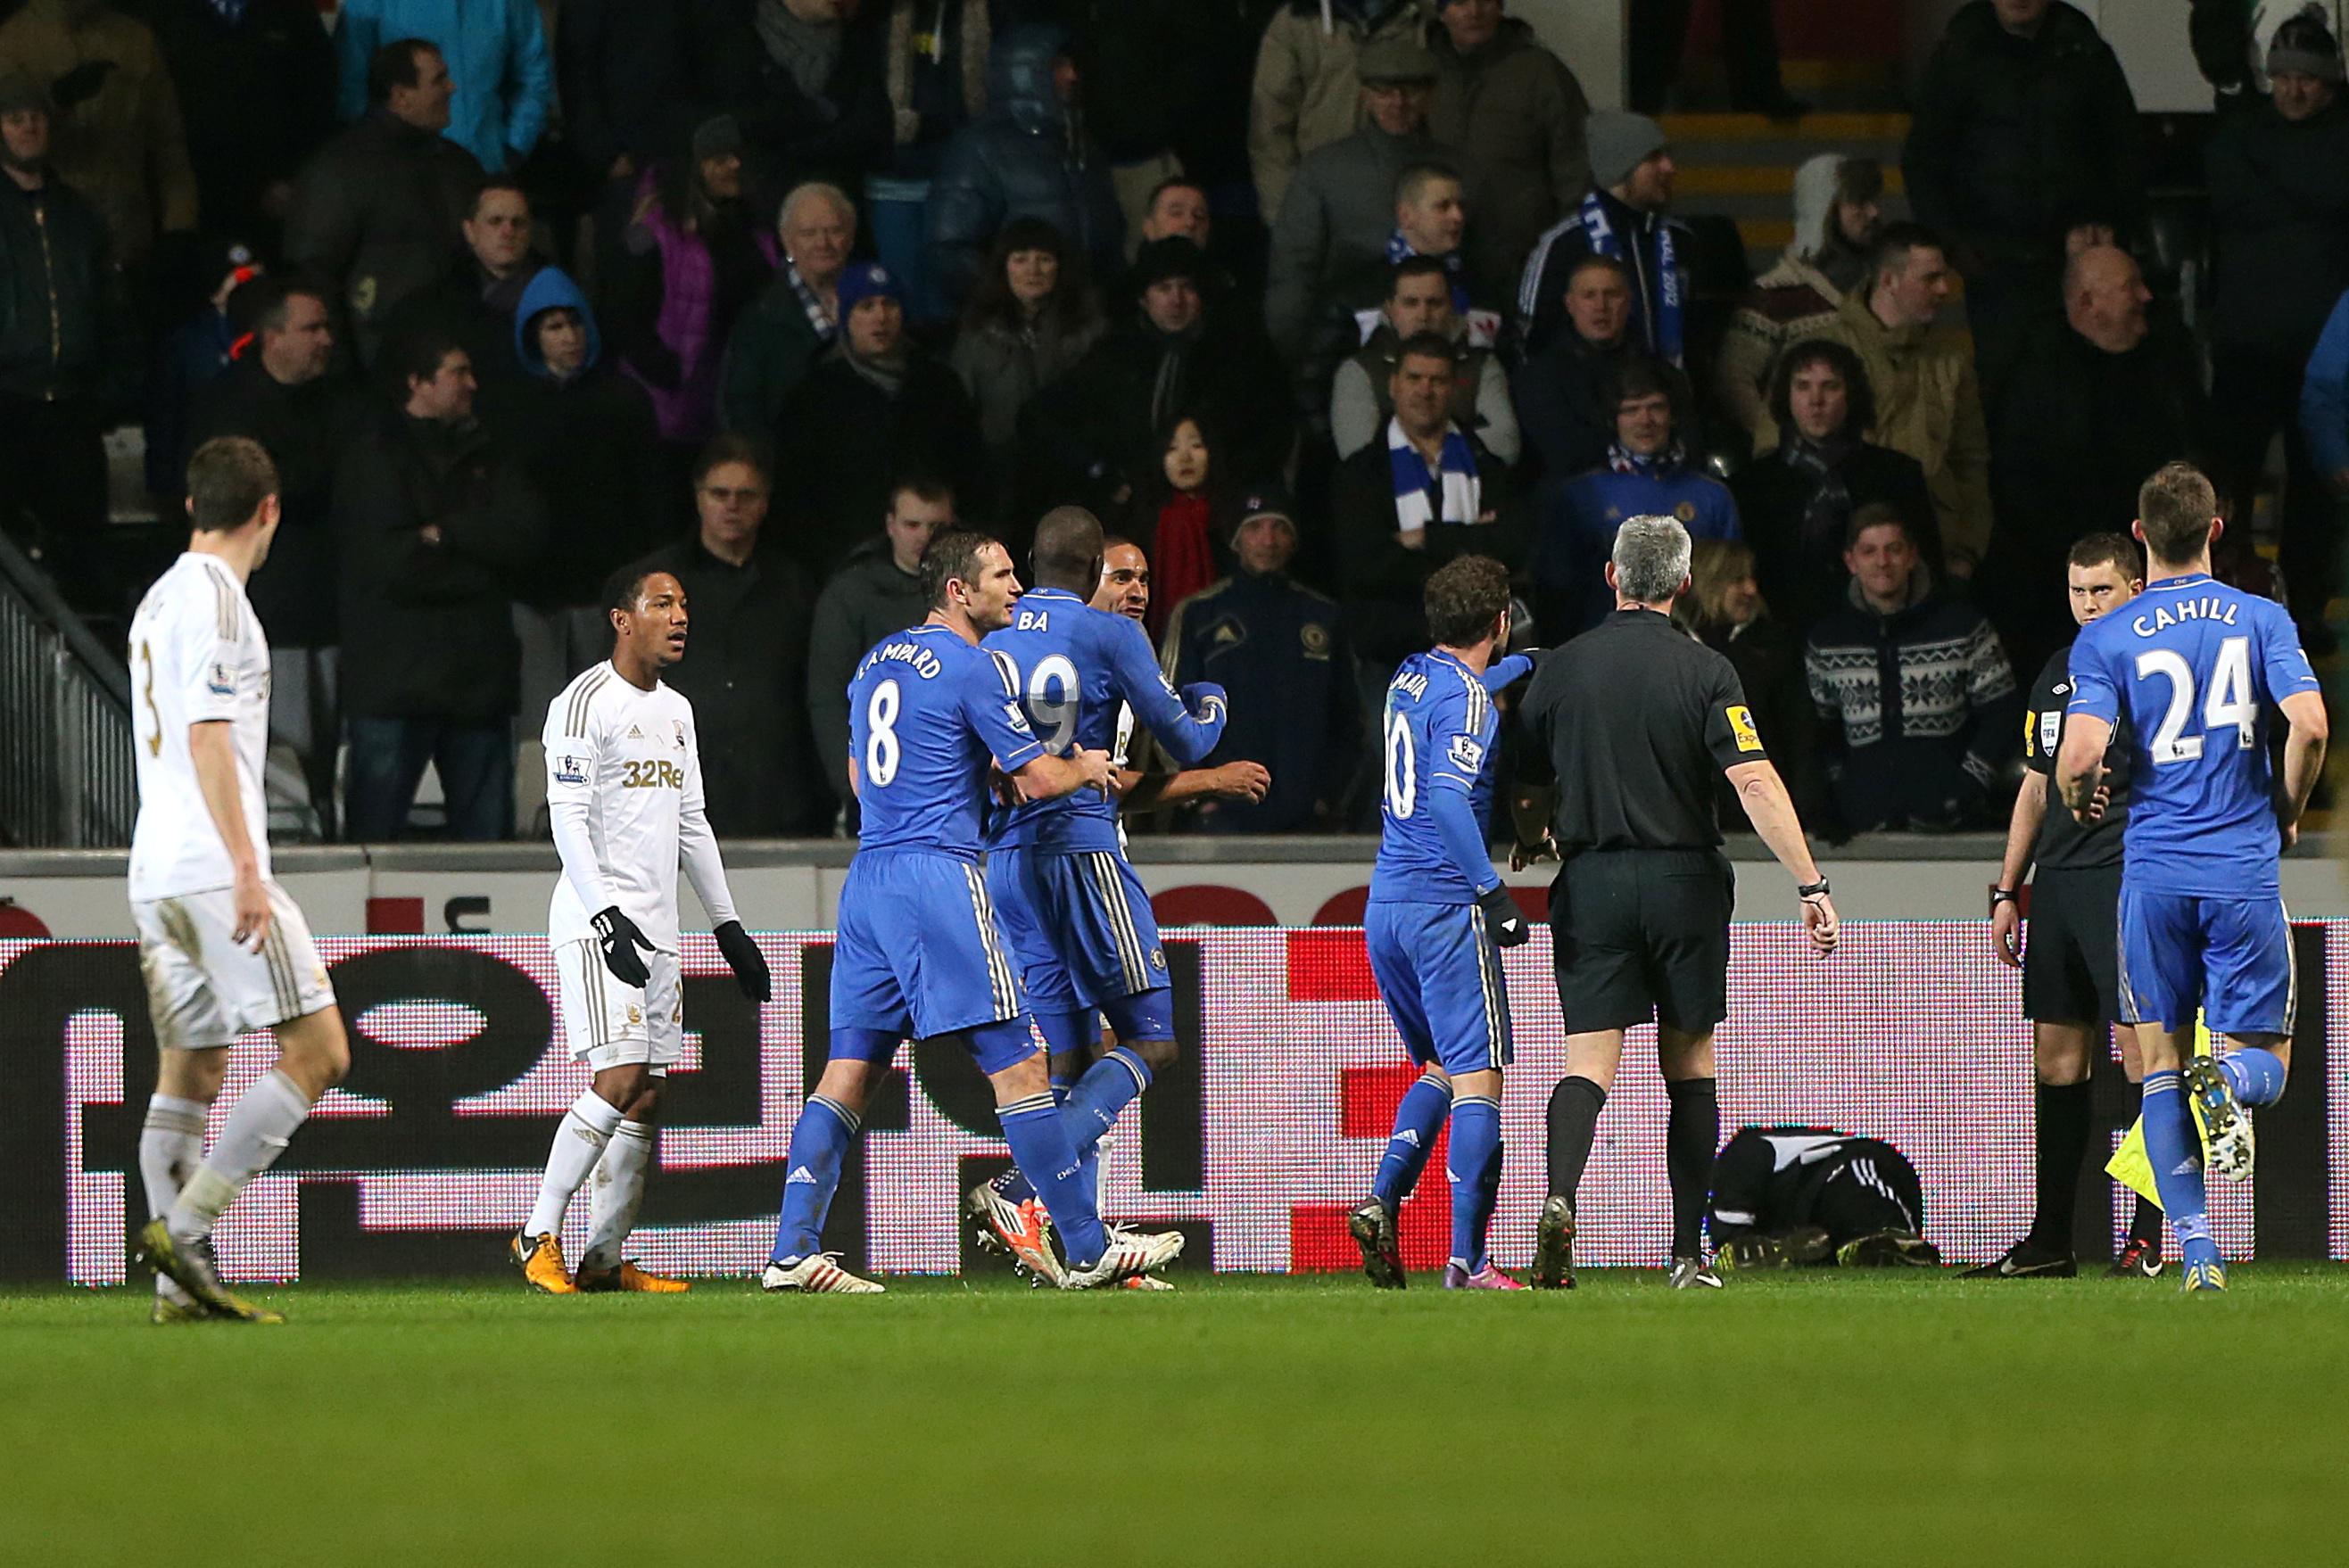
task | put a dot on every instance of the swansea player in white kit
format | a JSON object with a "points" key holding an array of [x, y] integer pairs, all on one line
{"points": [[624, 788], [223, 950]]}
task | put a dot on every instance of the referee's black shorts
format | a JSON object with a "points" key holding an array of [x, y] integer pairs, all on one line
{"points": [[2071, 950], [1640, 934]]}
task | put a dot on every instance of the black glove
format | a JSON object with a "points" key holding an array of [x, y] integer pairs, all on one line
{"points": [[743, 957], [620, 939], [69, 91], [1504, 919]]}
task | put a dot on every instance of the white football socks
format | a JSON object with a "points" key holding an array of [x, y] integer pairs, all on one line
{"points": [[170, 1147], [579, 1143], [255, 1134], [616, 1193]]}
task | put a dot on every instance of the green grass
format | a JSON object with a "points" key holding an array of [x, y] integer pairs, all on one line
{"points": [[1819, 1418]]}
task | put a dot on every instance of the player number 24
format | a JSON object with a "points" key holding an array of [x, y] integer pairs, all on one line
{"points": [[2227, 706]]}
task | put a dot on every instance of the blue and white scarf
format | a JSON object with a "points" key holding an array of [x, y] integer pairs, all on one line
{"points": [[1665, 328], [1622, 459], [818, 319], [1399, 250], [1453, 494]]}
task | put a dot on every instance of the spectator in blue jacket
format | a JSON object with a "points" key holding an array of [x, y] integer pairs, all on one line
{"points": [[2325, 415], [1030, 157], [1647, 474], [496, 51]]}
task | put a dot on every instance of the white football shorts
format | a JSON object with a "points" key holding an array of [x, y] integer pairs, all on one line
{"points": [[609, 1023], [203, 989]]}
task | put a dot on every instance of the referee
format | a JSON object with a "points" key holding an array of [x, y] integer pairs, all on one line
{"points": [[1631, 721], [2071, 968]]}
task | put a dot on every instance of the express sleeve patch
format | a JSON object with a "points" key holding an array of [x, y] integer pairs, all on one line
{"points": [[1741, 724]]}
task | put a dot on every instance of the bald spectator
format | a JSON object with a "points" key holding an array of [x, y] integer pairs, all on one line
{"points": [[1625, 214], [1306, 93], [379, 212], [1339, 214], [2094, 407], [116, 134], [1928, 403], [1516, 110]]}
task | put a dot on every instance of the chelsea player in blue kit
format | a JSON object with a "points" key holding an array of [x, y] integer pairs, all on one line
{"points": [[918, 953], [1079, 923], [1437, 917], [2194, 666]]}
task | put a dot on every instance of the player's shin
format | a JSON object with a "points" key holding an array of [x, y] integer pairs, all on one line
{"points": [[579, 1142], [616, 1193], [2256, 1075], [255, 1134], [1419, 1120], [170, 1147], [1040, 1146], [1574, 1107], [2172, 1149], [819, 1142], [1475, 1172]]}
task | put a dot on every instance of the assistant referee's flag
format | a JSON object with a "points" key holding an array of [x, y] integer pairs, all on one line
{"points": [[2128, 1166]]}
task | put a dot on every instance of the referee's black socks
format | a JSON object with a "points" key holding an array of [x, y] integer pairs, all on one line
{"points": [[1692, 1137], [2062, 1143], [1573, 1107]]}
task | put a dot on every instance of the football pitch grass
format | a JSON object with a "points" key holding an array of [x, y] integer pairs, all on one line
{"points": [[1819, 1418]]}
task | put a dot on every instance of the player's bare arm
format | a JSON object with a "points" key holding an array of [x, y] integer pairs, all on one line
{"points": [[1139, 791], [2021, 833], [1771, 809], [1049, 778], [2304, 757], [211, 748], [2080, 765]]}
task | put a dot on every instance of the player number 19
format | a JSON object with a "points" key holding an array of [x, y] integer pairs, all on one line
{"points": [[880, 736], [2227, 706]]}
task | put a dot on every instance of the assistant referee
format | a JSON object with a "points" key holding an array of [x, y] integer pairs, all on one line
{"points": [[1633, 720]]}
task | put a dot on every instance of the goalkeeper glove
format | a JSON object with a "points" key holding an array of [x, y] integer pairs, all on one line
{"points": [[743, 957], [620, 939], [1504, 919]]}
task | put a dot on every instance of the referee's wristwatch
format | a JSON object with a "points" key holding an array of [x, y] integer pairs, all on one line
{"points": [[1999, 895], [1812, 890]]}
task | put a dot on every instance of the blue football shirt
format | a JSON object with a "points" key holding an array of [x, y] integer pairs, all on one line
{"points": [[1072, 667], [2195, 667], [926, 711], [1439, 737]]}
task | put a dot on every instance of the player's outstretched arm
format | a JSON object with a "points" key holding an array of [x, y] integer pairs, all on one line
{"points": [[212, 749], [1140, 791], [2080, 765], [1187, 726], [2303, 757], [1771, 809]]}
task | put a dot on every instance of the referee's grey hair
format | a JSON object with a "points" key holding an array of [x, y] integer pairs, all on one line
{"points": [[1652, 558]]}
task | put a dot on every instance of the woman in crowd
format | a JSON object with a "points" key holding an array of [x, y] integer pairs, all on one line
{"points": [[1030, 318], [1796, 502], [1182, 518], [1724, 609]]}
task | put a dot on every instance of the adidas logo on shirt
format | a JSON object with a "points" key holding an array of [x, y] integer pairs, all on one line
{"points": [[1408, 1135], [800, 1173]]}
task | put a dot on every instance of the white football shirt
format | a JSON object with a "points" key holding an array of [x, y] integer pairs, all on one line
{"points": [[197, 655], [624, 788]]}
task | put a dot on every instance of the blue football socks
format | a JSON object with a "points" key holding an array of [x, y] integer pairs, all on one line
{"points": [[2257, 1075], [819, 1142], [2175, 1153], [1040, 1145], [1475, 1161], [1419, 1120]]}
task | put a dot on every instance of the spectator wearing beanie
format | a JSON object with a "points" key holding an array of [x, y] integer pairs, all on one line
{"points": [[1624, 214], [877, 405], [1838, 211]]}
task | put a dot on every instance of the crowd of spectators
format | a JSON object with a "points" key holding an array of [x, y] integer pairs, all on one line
{"points": [[1302, 298]]}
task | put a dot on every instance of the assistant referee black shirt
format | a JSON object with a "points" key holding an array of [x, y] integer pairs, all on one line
{"points": [[2066, 844], [1636, 720]]}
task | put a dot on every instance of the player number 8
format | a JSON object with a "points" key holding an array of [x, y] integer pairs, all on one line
{"points": [[880, 736]]}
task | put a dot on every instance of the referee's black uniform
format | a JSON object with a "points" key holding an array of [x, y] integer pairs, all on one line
{"points": [[2070, 964], [1636, 720]]}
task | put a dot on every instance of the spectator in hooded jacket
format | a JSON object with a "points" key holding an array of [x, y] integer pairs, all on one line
{"points": [[1795, 503], [1564, 393], [256, 88], [1647, 474], [379, 212], [695, 260], [1029, 320], [496, 52], [877, 590], [806, 79], [1915, 696], [1625, 214], [1332, 242], [878, 405], [1307, 91], [1030, 157], [1420, 299], [1517, 112], [1838, 211], [779, 338], [67, 350], [2278, 182], [583, 435], [116, 135], [435, 530], [2022, 122]]}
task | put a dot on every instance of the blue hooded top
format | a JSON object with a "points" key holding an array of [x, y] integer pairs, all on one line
{"points": [[552, 289]]}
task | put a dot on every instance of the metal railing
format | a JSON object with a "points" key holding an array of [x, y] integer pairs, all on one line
{"points": [[66, 778]]}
